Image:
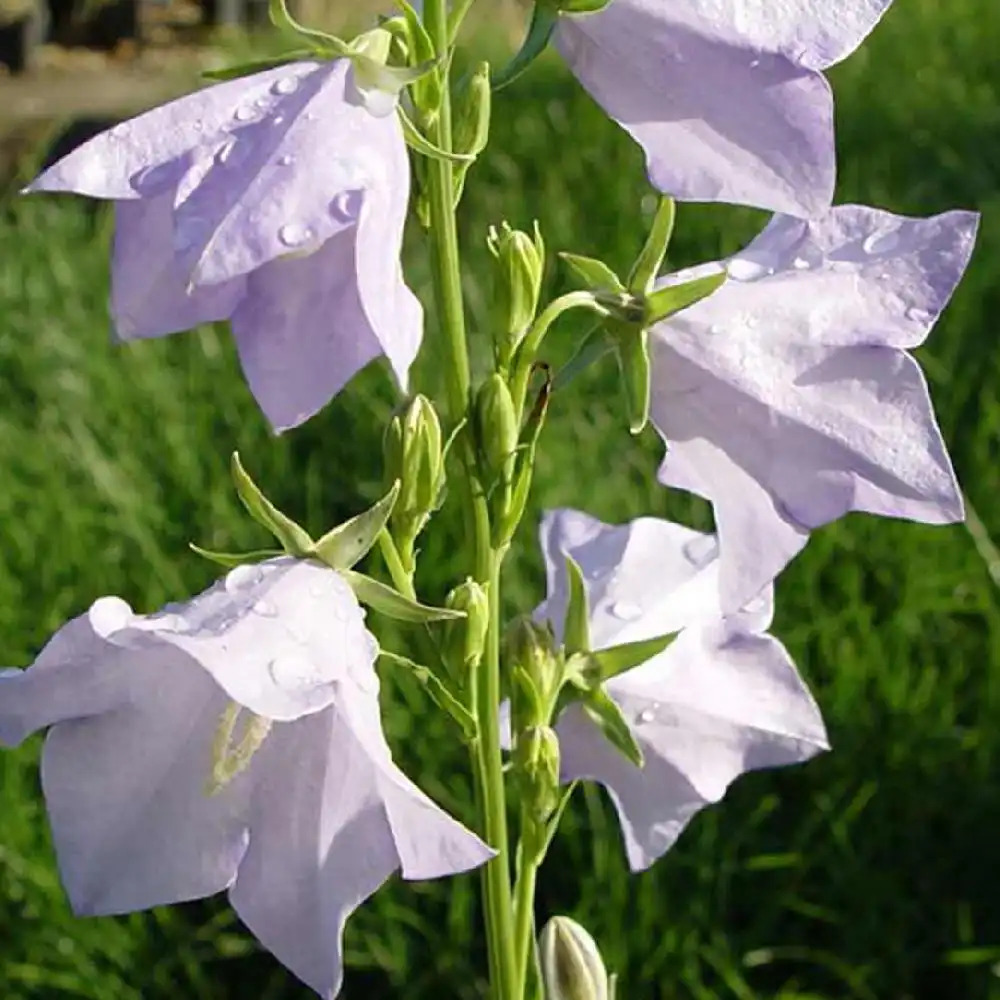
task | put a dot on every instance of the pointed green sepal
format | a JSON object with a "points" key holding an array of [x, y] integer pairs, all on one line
{"points": [[421, 144], [296, 540], [617, 659], [282, 19], [393, 604], [257, 65], [604, 712], [672, 299], [345, 545], [650, 260], [582, 6], [438, 692], [593, 346], [595, 274], [576, 632], [633, 361], [543, 23], [232, 559]]}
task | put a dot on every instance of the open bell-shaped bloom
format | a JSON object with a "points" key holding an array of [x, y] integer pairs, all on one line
{"points": [[722, 699], [726, 97], [230, 742], [787, 398], [276, 201]]}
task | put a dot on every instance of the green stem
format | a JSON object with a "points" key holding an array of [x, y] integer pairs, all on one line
{"points": [[524, 914], [488, 763]]}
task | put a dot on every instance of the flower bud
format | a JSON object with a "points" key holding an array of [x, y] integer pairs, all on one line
{"points": [[496, 427], [471, 115], [412, 454], [518, 284], [536, 767], [465, 639], [530, 649], [572, 968]]}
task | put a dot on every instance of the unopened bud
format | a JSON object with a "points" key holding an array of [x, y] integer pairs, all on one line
{"points": [[518, 285], [496, 427], [536, 765], [412, 454], [531, 648], [572, 968], [471, 116], [465, 639]]}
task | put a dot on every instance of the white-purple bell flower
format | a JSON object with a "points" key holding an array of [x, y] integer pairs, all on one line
{"points": [[232, 742], [787, 398], [726, 97], [723, 698], [276, 201]]}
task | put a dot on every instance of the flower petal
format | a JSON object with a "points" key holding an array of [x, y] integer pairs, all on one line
{"points": [[711, 707], [302, 332], [149, 294], [112, 164], [784, 397], [719, 117]]}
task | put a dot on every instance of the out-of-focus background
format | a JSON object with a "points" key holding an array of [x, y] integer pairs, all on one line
{"points": [[872, 873]]}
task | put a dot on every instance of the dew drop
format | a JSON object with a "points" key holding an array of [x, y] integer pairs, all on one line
{"points": [[240, 578], [286, 85], [265, 609], [747, 269], [277, 119], [646, 715], [109, 614], [754, 63], [224, 155], [715, 328], [626, 611], [881, 242], [701, 550], [801, 264], [346, 205], [294, 235], [295, 671], [285, 161], [198, 126], [245, 113], [918, 315]]}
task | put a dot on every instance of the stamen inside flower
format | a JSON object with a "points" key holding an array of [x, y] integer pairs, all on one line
{"points": [[230, 757]]}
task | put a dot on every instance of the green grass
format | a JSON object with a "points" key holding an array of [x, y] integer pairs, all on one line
{"points": [[873, 872]]}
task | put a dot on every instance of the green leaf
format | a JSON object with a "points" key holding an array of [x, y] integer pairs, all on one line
{"points": [[438, 692], [665, 302], [295, 540], [345, 545], [418, 142], [594, 346], [617, 659], [543, 23], [257, 65], [604, 712], [231, 559], [393, 604], [576, 633], [594, 274], [633, 361], [650, 260]]}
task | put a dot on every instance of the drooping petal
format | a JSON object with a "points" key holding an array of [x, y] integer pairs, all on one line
{"points": [[721, 113], [109, 164], [711, 707], [302, 331], [286, 180], [322, 842], [785, 398], [149, 292]]}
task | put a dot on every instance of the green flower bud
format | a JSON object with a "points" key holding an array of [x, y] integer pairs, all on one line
{"points": [[496, 427], [572, 968], [531, 653], [517, 286], [536, 765], [412, 454], [471, 115], [464, 640]]}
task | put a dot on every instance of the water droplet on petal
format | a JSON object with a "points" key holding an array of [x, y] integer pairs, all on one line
{"points": [[240, 578], [225, 153], [265, 609], [346, 206], [286, 85], [754, 63], [715, 328], [109, 614], [747, 269], [295, 671], [646, 715], [801, 264], [294, 235], [701, 550], [285, 161], [277, 119], [626, 611], [198, 126], [881, 242], [918, 315], [245, 113]]}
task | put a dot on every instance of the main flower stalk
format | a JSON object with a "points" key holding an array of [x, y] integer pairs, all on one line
{"points": [[487, 760]]}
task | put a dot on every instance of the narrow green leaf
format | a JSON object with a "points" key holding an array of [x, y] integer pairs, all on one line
{"points": [[667, 301], [393, 604], [576, 633], [633, 362], [420, 144], [438, 692], [594, 274], [650, 260], [594, 346], [231, 559], [607, 716], [257, 65], [543, 23], [295, 539], [617, 659], [345, 545]]}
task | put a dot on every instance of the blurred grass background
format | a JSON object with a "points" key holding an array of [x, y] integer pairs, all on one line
{"points": [[873, 872]]}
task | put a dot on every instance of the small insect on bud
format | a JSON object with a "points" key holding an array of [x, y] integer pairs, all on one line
{"points": [[464, 640], [572, 968], [517, 287]]}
